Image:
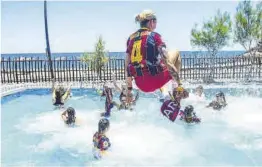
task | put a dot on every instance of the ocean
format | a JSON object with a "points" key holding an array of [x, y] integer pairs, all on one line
{"points": [[189, 58], [117, 55]]}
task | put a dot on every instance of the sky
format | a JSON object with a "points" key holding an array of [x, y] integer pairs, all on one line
{"points": [[76, 26]]}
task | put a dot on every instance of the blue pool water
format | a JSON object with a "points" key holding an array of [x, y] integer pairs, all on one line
{"points": [[34, 134]]}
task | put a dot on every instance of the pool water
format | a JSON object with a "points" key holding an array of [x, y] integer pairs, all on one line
{"points": [[33, 133]]}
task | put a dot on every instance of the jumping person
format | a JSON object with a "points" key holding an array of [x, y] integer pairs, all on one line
{"points": [[147, 60]]}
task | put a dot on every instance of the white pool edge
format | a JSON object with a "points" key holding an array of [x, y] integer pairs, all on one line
{"points": [[7, 89]]}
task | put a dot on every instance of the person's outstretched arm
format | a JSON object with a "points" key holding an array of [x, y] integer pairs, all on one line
{"points": [[171, 96], [67, 94], [116, 86]]}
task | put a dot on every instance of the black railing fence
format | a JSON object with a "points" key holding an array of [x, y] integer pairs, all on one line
{"points": [[35, 69]]}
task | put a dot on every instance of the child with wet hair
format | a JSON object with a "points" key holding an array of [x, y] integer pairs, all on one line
{"points": [[109, 103], [189, 116], [100, 140], [60, 95], [68, 116], [199, 92], [124, 104], [219, 102], [171, 106]]}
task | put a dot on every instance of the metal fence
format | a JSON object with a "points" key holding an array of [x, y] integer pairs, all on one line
{"points": [[35, 69]]}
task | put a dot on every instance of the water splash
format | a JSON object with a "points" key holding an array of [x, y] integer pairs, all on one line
{"points": [[231, 136]]}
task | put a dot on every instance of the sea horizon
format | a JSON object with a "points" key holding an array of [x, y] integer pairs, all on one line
{"points": [[119, 55], [56, 57], [117, 52]]}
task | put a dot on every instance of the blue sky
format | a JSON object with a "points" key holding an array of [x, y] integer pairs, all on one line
{"points": [[75, 26]]}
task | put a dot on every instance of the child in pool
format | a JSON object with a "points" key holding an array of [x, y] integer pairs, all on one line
{"points": [[60, 95], [199, 92], [69, 117], [109, 103], [219, 102], [171, 106], [188, 115], [100, 140], [123, 96]]}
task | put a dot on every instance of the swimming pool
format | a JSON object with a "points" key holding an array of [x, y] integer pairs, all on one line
{"points": [[33, 133]]}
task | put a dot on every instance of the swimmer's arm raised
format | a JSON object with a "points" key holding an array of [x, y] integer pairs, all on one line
{"points": [[67, 94], [171, 96], [114, 81], [69, 88]]}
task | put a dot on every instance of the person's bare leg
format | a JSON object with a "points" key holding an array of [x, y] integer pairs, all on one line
{"points": [[173, 62], [174, 59]]}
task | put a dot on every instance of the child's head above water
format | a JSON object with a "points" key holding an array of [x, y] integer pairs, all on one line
{"points": [[106, 85], [199, 90], [70, 115], [61, 89], [220, 97], [103, 125], [180, 93], [107, 88], [57, 93], [70, 111], [189, 113], [189, 110]]}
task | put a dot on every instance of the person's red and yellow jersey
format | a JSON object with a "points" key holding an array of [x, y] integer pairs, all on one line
{"points": [[145, 64], [101, 142]]}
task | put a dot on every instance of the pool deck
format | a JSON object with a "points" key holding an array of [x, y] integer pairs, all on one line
{"points": [[7, 89]]}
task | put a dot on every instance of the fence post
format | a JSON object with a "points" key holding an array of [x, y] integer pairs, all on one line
{"points": [[233, 68], [259, 72], [3, 71], [16, 75]]}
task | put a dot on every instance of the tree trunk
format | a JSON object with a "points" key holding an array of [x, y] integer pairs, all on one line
{"points": [[251, 66], [210, 77], [48, 52]]}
